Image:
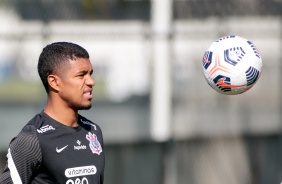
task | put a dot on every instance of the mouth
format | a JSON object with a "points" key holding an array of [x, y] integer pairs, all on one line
{"points": [[88, 94]]}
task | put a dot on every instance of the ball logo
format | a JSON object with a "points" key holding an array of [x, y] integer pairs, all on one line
{"points": [[224, 83], [233, 55]]}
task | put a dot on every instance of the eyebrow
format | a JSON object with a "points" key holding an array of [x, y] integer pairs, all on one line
{"points": [[84, 71]]}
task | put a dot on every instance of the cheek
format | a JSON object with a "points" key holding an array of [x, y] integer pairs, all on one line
{"points": [[69, 90], [71, 96], [72, 88]]}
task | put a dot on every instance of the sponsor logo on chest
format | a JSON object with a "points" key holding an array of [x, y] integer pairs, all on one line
{"points": [[45, 128], [78, 175], [80, 171], [79, 146]]}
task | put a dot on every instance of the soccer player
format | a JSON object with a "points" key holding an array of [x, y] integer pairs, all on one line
{"points": [[58, 145]]}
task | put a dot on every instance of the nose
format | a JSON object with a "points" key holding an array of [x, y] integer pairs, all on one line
{"points": [[90, 81]]}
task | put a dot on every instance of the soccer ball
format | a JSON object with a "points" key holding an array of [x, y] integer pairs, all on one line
{"points": [[232, 65]]}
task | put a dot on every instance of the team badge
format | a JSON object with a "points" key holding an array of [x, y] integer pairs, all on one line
{"points": [[94, 144]]}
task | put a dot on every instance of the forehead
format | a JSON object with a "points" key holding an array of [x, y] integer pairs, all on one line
{"points": [[80, 64], [74, 66]]}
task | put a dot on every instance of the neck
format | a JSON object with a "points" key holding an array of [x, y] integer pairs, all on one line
{"points": [[62, 113]]}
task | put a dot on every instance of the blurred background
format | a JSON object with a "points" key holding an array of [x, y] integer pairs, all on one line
{"points": [[162, 123]]}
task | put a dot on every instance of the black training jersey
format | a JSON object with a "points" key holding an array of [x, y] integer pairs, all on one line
{"points": [[46, 152]]}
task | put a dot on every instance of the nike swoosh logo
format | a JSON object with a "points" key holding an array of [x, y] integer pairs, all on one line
{"points": [[223, 84], [61, 149]]}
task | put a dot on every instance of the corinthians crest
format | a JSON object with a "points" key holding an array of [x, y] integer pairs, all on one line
{"points": [[94, 144]]}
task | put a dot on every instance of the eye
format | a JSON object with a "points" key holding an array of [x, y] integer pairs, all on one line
{"points": [[80, 75]]}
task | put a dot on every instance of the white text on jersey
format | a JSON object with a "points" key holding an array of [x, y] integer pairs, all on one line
{"points": [[45, 129]]}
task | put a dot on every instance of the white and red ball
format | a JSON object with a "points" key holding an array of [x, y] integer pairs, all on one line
{"points": [[232, 65]]}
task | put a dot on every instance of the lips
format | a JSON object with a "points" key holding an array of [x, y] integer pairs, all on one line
{"points": [[88, 94]]}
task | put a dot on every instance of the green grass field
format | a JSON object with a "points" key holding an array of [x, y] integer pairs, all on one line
{"points": [[22, 91]]}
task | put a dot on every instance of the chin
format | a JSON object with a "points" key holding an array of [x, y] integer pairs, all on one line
{"points": [[81, 107], [85, 107]]}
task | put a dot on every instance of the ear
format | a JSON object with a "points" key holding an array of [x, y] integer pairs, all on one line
{"points": [[53, 81]]}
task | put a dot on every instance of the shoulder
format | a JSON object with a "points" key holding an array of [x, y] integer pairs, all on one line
{"points": [[29, 130], [26, 142], [40, 123], [36, 122], [27, 139]]}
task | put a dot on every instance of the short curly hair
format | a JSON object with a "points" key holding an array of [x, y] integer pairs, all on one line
{"points": [[55, 54]]}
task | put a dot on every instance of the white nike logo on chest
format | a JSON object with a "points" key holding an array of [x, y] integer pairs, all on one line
{"points": [[61, 149]]}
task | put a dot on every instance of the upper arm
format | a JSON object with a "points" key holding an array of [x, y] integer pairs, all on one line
{"points": [[23, 158]]}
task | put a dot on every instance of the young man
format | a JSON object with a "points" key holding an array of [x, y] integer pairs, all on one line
{"points": [[58, 145]]}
